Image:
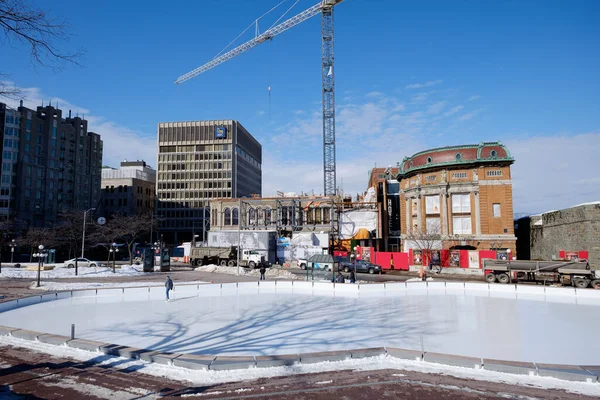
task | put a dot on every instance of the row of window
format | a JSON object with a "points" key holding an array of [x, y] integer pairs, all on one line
{"points": [[200, 156], [195, 194], [188, 176], [247, 156], [260, 216], [195, 166]]}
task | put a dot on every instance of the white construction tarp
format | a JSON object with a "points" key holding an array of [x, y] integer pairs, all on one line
{"points": [[353, 220]]}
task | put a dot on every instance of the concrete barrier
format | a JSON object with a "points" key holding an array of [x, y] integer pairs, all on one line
{"points": [[284, 285], [436, 287], [364, 353], [371, 288], [56, 340], [26, 334], [311, 358], [84, 344], [63, 295], [472, 287], [8, 305], [510, 367], [405, 354], [277, 361], [457, 287], [27, 301], [6, 330], [449, 359], [193, 361], [567, 372], [227, 363]]}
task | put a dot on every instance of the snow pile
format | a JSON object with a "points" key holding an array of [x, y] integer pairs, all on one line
{"points": [[271, 272], [383, 362], [83, 272], [429, 279], [58, 286]]}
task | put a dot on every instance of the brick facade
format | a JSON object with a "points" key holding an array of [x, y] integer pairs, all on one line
{"points": [[434, 181]]}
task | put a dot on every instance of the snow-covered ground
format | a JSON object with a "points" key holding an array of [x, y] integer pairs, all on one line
{"points": [[58, 286], [83, 272], [208, 378], [271, 272]]}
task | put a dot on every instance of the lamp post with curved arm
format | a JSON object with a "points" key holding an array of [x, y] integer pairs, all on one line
{"points": [[83, 235]]}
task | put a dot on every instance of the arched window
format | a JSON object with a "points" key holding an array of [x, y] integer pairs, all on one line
{"points": [[214, 217], [259, 216], [310, 215], [235, 217], [284, 215], [318, 215], [267, 216], [227, 217], [251, 216], [326, 215]]}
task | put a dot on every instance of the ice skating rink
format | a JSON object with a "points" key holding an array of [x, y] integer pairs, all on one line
{"points": [[541, 326]]}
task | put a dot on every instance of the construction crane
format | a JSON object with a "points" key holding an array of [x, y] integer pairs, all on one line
{"points": [[325, 8]]}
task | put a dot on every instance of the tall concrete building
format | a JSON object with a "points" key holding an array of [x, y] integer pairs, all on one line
{"points": [[129, 190], [49, 163], [199, 161]]}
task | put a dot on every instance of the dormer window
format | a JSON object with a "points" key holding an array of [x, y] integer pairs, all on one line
{"points": [[458, 156]]}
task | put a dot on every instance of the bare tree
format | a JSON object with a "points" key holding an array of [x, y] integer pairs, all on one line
{"points": [[36, 236], [23, 23], [69, 230], [130, 229], [104, 236], [427, 240]]}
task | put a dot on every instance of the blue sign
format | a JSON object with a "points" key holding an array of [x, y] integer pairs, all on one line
{"points": [[220, 132]]}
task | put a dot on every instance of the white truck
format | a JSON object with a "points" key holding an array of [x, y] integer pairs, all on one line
{"points": [[226, 256]]}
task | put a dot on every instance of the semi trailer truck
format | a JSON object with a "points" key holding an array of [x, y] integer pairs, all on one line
{"points": [[226, 256], [576, 273]]}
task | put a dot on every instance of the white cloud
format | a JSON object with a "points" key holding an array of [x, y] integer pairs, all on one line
{"points": [[375, 94], [424, 84], [474, 97], [120, 142], [261, 113], [554, 172], [299, 112], [470, 115], [453, 110], [420, 98], [437, 108]]}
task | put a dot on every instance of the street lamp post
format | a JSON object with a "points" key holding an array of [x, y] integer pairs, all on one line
{"points": [[39, 255], [508, 251], [83, 235], [12, 245], [113, 250]]}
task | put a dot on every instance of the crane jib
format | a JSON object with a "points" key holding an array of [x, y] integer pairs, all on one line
{"points": [[267, 35]]}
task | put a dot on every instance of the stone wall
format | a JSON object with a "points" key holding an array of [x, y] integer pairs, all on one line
{"points": [[571, 229]]}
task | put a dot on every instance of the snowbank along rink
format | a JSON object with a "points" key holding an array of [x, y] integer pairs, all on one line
{"points": [[530, 324]]}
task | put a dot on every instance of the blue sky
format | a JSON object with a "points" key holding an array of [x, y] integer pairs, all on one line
{"points": [[409, 76]]}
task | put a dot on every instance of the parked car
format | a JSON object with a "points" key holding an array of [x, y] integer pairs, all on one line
{"points": [[361, 266], [82, 262]]}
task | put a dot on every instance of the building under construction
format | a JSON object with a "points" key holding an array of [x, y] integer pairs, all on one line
{"points": [[314, 222]]}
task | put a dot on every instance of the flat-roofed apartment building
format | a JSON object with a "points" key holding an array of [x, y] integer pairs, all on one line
{"points": [[199, 161]]}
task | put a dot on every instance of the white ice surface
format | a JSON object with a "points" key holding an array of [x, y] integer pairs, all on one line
{"points": [[82, 272], [269, 320], [205, 378]]}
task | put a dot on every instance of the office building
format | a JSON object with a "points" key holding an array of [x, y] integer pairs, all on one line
{"points": [[199, 161], [49, 163], [129, 190]]}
